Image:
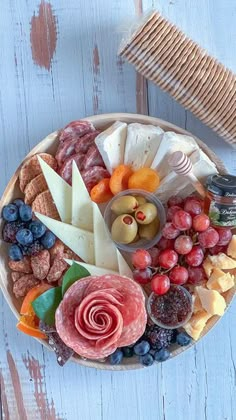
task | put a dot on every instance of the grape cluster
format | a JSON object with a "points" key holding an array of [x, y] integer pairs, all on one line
{"points": [[187, 238]]}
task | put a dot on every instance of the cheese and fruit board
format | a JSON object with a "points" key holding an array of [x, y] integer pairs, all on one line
{"points": [[117, 247]]}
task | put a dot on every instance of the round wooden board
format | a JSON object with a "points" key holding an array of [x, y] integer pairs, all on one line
{"points": [[49, 145]]}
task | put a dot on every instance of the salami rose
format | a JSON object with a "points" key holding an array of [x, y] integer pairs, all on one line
{"points": [[100, 313]]}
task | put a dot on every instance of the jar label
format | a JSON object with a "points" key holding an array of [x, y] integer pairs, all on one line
{"points": [[222, 214]]}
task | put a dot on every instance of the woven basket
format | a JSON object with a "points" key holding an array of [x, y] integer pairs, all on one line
{"points": [[12, 191]]}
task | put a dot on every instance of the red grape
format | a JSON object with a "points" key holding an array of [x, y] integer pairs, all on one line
{"points": [[168, 258], [142, 276], [165, 243], [175, 201], [225, 235], [170, 232], [182, 220], [201, 222], [217, 249], [160, 284], [141, 259], [154, 252], [195, 275], [209, 238], [178, 275], [195, 257], [193, 206], [183, 244], [171, 211]]}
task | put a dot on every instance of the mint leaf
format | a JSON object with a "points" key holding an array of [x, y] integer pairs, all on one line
{"points": [[46, 304], [74, 273]]}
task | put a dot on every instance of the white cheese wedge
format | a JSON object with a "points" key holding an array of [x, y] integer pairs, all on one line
{"points": [[60, 190], [104, 247], [142, 145], [111, 145], [93, 269], [78, 240], [202, 165], [124, 268], [170, 143], [82, 206]]}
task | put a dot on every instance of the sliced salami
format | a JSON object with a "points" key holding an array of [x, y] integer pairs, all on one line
{"points": [[66, 169], [75, 129], [92, 176], [83, 144], [93, 157]]}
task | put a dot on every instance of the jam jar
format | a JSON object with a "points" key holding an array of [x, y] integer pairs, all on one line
{"points": [[220, 201]]}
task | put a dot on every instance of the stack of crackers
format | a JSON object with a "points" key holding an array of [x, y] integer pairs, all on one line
{"points": [[163, 54]]}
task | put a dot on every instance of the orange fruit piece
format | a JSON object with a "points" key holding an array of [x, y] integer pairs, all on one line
{"points": [[119, 179], [27, 329], [101, 192], [145, 179]]}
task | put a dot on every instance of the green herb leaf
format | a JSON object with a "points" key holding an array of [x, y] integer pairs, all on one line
{"points": [[74, 273], [46, 304]]}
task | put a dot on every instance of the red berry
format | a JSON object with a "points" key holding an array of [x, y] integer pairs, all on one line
{"points": [[201, 222], [182, 220], [193, 206], [175, 201], [178, 275], [154, 252], [195, 275], [160, 284], [170, 231], [183, 244], [168, 258], [141, 259], [209, 238], [225, 236], [171, 211], [195, 256], [142, 276], [165, 243]]}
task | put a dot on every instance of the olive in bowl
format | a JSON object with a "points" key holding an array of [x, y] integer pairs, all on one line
{"points": [[124, 229]]}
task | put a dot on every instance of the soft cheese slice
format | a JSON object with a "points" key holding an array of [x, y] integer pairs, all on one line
{"points": [[231, 250], [78, 240], [172, 142], [124, 268], [104, 247], [202, 165], [211, 301], [196, 324], [82, 206], [60, 190], [173, 184], [220, 281], [93, 269], [142, 144], [111, 145], [222, 261]]}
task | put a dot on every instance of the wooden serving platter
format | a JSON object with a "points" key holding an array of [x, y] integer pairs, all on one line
{"points": [[12, 191]]}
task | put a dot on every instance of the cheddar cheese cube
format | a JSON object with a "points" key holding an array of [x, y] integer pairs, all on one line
{"points": [[220, 281]]}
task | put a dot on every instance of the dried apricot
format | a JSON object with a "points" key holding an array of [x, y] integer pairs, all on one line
{"points": [[101, 192], [119, 179], [145, 179]]}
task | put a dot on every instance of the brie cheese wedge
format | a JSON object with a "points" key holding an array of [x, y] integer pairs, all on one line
{"points": [[82, 207]]}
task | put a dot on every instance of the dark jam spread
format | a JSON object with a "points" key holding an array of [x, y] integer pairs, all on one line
{"points": [[172, 309]]}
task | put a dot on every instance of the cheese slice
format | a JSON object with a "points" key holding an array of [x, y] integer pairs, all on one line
{"points": [[211, 301], [111, 145], [202, 165], [231, 250], [78, 240], [220, 281], [142, 144], [172, 142], [174, 184], [93, 269], [222, 261], [124, 268], [104, 247], [60, 190], [82, 206]]}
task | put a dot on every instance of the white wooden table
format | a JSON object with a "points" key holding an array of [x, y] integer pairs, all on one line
{"points": [[86, 77]]}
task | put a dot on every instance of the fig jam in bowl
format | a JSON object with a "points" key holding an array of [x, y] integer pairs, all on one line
{"points": [[171, 310], [135, 219]]}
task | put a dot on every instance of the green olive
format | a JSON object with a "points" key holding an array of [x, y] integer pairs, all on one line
{"points": [[149, 231], [141, 200], [146, 213], [124, 229], [125, 204]]}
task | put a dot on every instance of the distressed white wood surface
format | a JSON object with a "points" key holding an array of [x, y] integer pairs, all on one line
{"points": [[86, 77]]}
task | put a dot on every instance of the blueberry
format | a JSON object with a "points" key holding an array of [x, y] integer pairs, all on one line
{"points": [[183, 339], [37, 228], [25, 212], [48, 240], [15, 253], [162, 355], [116, 357], [128, 351], [18, 202], [142, 348], [10, 230], [24, 237], [146, 360], [10, 213]]}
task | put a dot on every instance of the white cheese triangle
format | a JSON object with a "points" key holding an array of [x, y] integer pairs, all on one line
{"points": [[111, 145], [124, 268], [60, 190], [142, 145], [78, 240], [82, 207], [93, 269]]}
